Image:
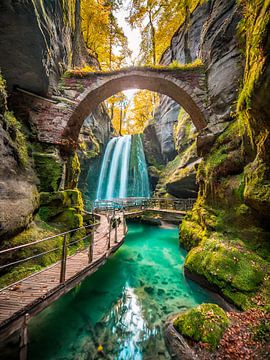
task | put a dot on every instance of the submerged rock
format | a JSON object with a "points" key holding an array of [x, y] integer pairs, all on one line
{"points": [[149, 289]]}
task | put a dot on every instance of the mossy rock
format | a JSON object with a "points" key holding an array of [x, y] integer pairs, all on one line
{"points": [[53, 204], [49, 170], [73, 171], [69, 219], [3, 95], [17, 139], [36, 231], [191, 234], [236, 271], [205, 323], [257, 187]]}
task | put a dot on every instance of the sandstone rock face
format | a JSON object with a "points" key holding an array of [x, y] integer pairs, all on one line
{"points": [[37, 43], [18, 192], [184, 48], [220, 52], [208, 34], [165, 118]]}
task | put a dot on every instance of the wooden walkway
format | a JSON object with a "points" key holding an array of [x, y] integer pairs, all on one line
{"points": [[32, 294], [158, 210]]}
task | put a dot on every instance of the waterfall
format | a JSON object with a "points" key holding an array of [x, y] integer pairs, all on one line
{"points": [[105, 167], [124, 170]]}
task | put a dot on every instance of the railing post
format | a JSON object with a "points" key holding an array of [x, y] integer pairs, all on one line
{"points": [[24, 338], [63, 260], [91, 246], [124, 224], [110, 230], [115, 230]]}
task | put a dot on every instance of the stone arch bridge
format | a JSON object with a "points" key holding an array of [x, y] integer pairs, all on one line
{"points": [[59, 120]]}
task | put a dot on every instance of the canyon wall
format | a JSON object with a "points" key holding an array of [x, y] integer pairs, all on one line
{"points": [[207, 34], [39, 41], [227, 232]]}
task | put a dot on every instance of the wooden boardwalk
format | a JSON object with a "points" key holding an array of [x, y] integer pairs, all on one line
{"points": [[157, 210], [32, 294]]}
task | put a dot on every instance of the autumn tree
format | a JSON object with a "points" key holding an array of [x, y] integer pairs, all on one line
{"points": [[140, 111], [103, 36], [117, 106], [158, 20]]}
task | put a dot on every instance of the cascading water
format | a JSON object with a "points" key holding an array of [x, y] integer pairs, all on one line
{"points": [[124, 170]]}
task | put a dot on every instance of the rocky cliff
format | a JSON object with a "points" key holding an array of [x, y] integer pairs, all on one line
{"points": [[38, 181], [38, 41], [203, 36], [95, 133], [227, 231]]}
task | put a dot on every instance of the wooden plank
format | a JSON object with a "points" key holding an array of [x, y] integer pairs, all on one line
{"points": [[35, 293]]}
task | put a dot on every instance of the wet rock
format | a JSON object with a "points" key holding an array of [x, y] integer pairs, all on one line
{"points": [[161, 292], [139, 257], [177, 345], [149, 289]]}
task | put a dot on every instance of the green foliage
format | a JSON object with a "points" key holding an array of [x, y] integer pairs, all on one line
{"points": [[205, 323]]}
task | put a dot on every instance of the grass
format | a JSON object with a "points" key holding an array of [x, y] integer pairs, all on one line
{"points": [[175, 65]]}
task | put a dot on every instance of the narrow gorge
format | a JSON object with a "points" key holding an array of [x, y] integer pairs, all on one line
{"points": [[134, 179]]}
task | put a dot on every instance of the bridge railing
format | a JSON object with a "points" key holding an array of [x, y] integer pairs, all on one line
{"points": [[142, 204], [27, 259]]}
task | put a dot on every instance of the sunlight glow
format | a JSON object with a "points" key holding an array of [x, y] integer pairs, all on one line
{"points": [[133, 35]]}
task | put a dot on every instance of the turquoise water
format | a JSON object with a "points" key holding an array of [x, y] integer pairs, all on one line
{"points": [[122, 306]]}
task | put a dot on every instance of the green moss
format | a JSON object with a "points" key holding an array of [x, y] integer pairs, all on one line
{"points": [[49, 170], [16, 138], [3, 95], [69, 218], [73, 171], [253, 30], [231, 268], [53, 204], [37, 230], [257, 187], [191, 234], [205, 323]]}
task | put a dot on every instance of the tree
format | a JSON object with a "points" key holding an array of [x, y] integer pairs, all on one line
{"points": [[158, 20], [144, 15], [103, 36], [141, 111], [118, 106]]}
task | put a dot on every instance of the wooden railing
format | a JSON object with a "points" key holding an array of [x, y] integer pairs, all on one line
{"points": [[60, 245], [142, 204]]}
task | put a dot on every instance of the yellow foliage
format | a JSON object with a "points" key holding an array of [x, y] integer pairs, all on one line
{"points": [[103, 36], [158, 20]]}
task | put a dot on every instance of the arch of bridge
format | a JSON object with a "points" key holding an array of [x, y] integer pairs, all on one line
{"points": [[186, 87], [61, 122]]}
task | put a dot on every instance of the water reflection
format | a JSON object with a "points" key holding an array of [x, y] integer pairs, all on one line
{"points": [[123, 306]]}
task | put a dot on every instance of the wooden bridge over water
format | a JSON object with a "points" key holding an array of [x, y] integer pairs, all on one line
{"points": [[27, 297]]}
